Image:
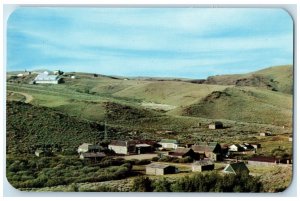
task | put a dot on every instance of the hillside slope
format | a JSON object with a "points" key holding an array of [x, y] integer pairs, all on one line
{"points": [[30, 126], [245, 104], [277, 78]]}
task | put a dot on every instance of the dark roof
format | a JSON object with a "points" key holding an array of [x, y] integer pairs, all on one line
{"points": [[150, 142], [263, 159], [236, 167], [94, 155]]}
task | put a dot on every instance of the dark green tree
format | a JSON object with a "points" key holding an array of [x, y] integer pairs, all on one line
{"points": [[142, 184], [161, 185]]}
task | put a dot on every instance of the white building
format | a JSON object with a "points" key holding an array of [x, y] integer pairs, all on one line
{"points": [[169, 144], [121, 147], [46, 78], [87, 147]]}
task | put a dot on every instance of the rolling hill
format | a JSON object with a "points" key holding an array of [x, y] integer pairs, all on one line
{"points": [[263, 96], [277, 78], [245, 104]]}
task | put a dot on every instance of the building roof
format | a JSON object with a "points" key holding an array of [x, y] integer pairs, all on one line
{"points": [[263, 159], [236, 167], [169, 141], [94, 155], [205, 147], [203, 162], [181, 151], [149, 142], [46, 77], [158, 165], [143, 145]]}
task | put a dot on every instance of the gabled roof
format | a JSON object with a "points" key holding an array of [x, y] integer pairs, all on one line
{"points": [[205, 147], [203, 162], [46, 76], [181, 151], [169, 141], [236, 167]]}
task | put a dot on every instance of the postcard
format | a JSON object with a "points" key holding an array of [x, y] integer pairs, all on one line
{"points": [[149, 99]]}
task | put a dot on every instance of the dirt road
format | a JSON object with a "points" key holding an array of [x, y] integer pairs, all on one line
{"points": [[28, 97]]}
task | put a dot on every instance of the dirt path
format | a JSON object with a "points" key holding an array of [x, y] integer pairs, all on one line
{"points": [[28, 97]]}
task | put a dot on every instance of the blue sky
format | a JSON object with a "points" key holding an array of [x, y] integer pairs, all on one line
{"points": [[168, 42]]}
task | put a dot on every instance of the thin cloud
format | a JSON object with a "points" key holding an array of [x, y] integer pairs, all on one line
{"points": [[156, 41]]}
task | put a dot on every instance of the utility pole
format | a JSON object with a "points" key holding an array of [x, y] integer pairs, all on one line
{"points": [[105, 131]]}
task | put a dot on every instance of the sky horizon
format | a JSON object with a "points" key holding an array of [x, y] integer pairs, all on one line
{"points": [[150, 42]]}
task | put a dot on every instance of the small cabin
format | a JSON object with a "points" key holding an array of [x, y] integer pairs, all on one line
{"points": [[160, 169], [216, 125], [203, 165]]}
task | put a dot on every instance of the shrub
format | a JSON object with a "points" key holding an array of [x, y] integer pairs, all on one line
{"points": [[143, 162], [142, 184], [155, 158]]}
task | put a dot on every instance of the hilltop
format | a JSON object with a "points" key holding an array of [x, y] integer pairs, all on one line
{"points": [[276, 78], [245, 104]]}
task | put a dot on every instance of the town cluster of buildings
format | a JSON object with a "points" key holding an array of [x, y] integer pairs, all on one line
{"points": [[204, 154], [211, 150]]}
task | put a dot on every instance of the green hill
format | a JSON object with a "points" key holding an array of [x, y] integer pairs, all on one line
{"points": [[30, 126], [263, 97], [277, 78], [245, 104]]}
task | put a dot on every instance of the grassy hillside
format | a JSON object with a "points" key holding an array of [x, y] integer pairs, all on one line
{"points": [[277, 78], [245, 104], [30, 126], [155, 104]]}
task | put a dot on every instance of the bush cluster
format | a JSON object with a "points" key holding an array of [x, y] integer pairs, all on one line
{"points": [[53, 171], [186, 159], [208, 182]]}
